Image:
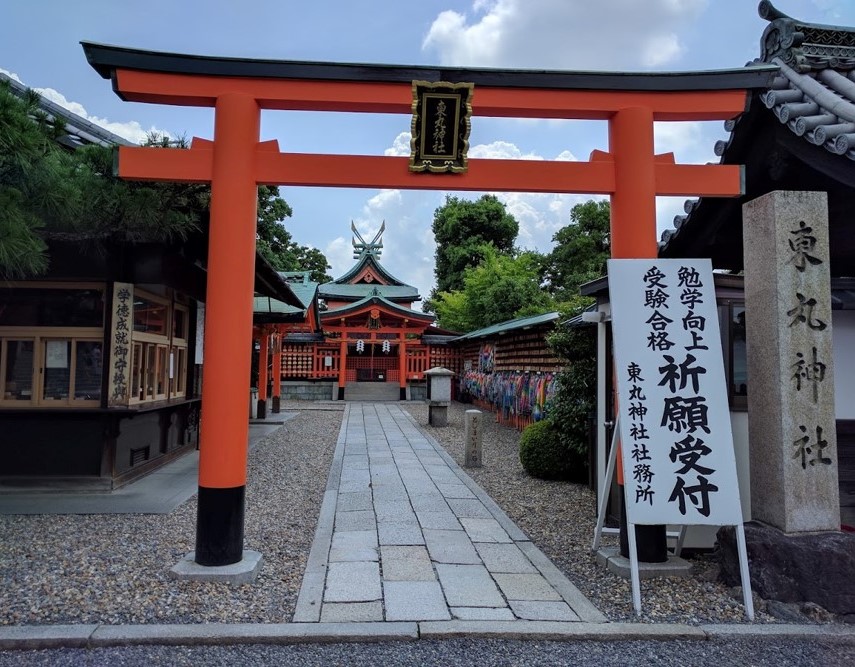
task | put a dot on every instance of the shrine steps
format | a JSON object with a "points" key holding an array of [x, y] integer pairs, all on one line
{"points": [[372, 391]]}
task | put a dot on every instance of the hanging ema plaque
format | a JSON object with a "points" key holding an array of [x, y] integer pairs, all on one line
{"points": [[440, 126]]}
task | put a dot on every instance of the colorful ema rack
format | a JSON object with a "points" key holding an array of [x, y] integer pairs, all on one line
{"points": [[518, 399]]}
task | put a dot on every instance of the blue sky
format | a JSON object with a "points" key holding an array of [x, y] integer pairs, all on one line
{"points": [[39, 44]]}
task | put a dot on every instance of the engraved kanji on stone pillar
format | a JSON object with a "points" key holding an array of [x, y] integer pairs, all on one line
{"points": [[792, 435]]}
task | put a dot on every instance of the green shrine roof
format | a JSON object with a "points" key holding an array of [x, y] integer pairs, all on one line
{"points": [[511, 325]]}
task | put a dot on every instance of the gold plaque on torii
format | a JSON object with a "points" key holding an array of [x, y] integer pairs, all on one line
{"points": [[440, 126]]}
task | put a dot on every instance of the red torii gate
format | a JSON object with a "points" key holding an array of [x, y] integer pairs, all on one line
{"points": [[236, 162]]}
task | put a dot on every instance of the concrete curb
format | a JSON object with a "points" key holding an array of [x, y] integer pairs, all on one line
{"points": [[308, 608], [34, 637]]}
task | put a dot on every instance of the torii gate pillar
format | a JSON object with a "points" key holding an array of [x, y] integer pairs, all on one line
{"points": [[236, 162], [231, 271]]}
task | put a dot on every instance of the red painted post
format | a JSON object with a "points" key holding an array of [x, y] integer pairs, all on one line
{"points": [[228, 332], [263, 376]]}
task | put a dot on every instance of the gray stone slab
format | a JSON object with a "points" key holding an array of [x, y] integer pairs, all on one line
{"points": [[455, 490], [484, 530], [467, 508], [353, 582], [504, 558], [354, 539], [531, 610], [339, 555], [389, 493], [580, 605], [438, 520], [394, 510], [243, 572], [526, 587], [400, 533], [450, 546], [429, 504], [414, 601], [482, 613], [355, 520], [469, 586], [406, 563], [351, 612], [351, 502], [355, 462]]}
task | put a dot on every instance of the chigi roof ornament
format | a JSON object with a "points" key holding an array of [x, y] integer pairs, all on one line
{"points": [[362, 248]]}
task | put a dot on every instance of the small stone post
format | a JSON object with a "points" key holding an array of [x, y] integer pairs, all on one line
{"points": [[473, 438], [793, 442]]}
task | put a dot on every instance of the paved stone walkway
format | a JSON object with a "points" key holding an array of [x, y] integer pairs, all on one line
{"points": [[406, 535]]}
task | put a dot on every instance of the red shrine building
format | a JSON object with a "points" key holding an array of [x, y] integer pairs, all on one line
{"points": [[360, 337]]}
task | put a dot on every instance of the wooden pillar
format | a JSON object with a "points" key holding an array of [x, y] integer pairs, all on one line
{"points": [[342, 368], [228, 332], [263, 361], [277, 370]]}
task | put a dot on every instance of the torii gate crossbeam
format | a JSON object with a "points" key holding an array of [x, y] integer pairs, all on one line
{"points": [[236, 162]]}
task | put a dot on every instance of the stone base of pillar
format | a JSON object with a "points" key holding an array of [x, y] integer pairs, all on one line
{"points": [[438, 415], [243, 572], [276, 402], [262, 409], [816, 567]]}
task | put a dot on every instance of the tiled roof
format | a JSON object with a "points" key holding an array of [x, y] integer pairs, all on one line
{"points": [[511, 325], [78, 131], [365, 259], [332, 290], [813, 95], [376, 299], [302, 285]]}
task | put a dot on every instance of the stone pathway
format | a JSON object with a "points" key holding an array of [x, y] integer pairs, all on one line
{"points": [[405, 535]]}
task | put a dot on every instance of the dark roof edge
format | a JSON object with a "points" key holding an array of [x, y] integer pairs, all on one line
{"points": [[105, 59], [104, 136], [270, 283]]}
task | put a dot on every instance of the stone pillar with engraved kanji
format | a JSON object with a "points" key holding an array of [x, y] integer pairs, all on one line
{"points": [[793, 443]]}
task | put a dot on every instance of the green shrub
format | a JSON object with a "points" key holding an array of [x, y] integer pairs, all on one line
{"points": [[545, 453], [541, 452]]}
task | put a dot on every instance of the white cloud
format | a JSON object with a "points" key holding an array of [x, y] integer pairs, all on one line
{"points": [[11, 75], [401, 146], [562, 34]]}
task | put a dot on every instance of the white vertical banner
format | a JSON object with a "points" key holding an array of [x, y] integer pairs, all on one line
{"points": [[676, 441]]}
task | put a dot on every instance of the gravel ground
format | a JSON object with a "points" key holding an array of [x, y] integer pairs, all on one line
{"points": [[453, 653], [114, 568], [559, 517]]}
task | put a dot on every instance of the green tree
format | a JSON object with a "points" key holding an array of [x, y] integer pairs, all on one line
{"points": [[275, 243], [500, 288], [581, 250], [462, 229], [36, 179]]}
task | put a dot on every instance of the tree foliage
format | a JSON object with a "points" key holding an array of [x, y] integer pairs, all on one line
{"points": [[275, 243], [463, 229], [46, 190], [581, 250], [500, 288]]}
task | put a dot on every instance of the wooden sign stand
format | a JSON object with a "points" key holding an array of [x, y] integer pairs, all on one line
{"points": [[747, 599]]}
